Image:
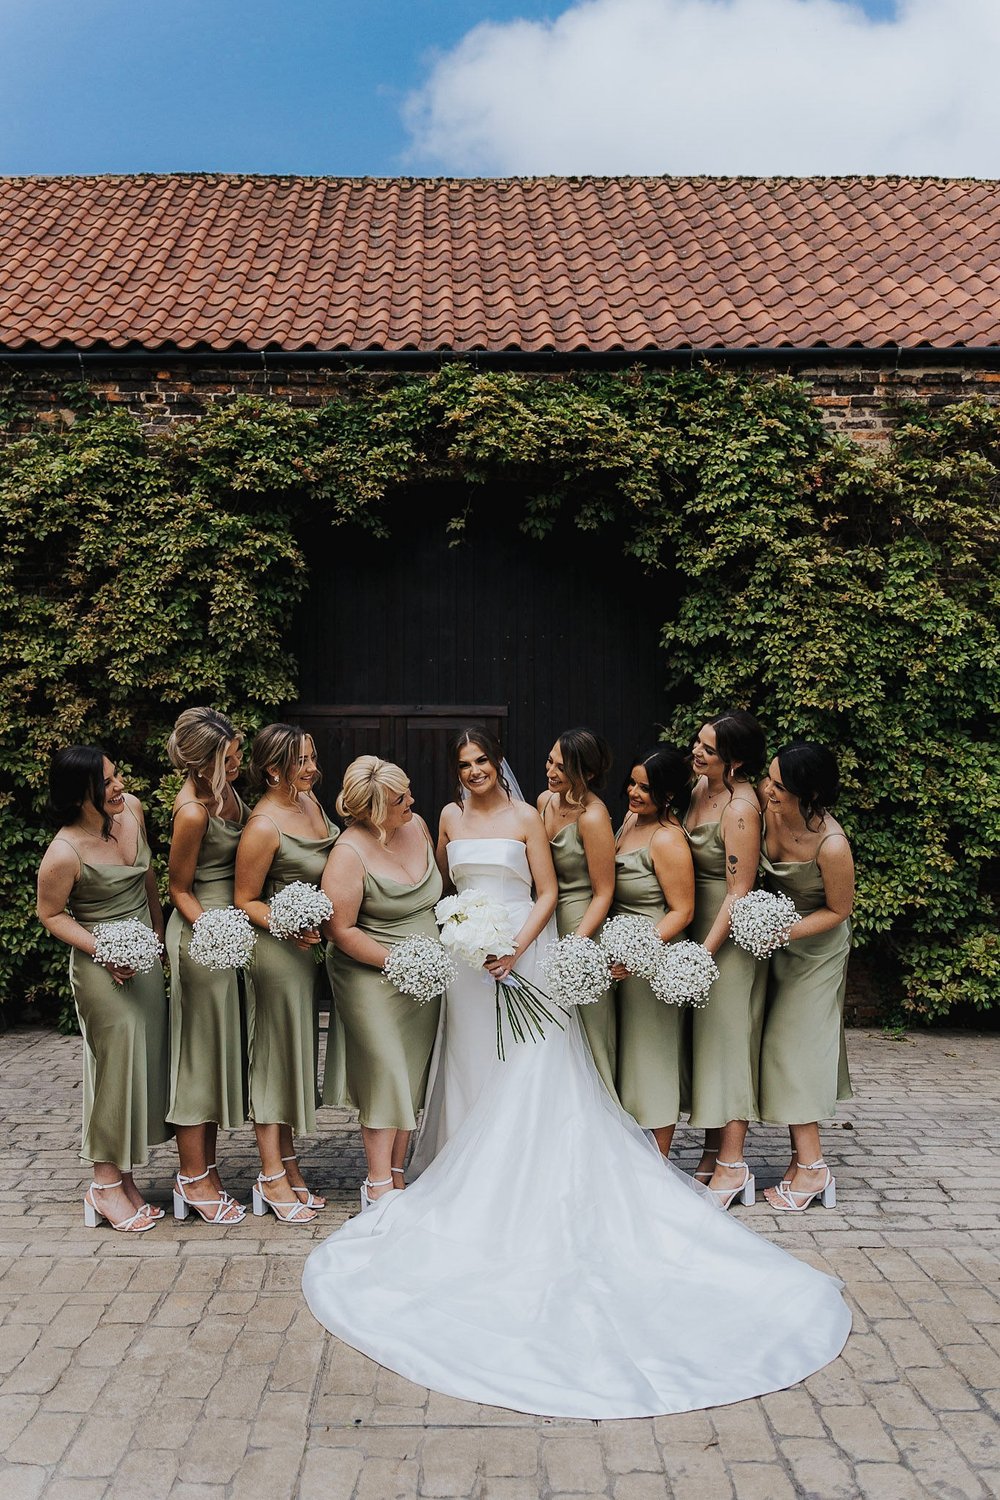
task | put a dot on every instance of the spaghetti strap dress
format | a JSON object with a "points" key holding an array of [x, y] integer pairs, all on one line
{"points": [[387, 1037], [649, 1073], [725, 1033], [290, 989], [210, 1011], [599, 1020], [124, 1026], [803, 1063]]}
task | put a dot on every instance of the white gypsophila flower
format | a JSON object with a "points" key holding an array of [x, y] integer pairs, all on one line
{"points": [[760, 922], [128, 944], [222, 938], [420, 968], [473, 926], [634, 942], [576, 971], [685, 974], [297, 907]]}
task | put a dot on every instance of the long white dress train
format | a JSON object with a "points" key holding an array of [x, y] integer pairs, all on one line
{"points": [[546, 1260]]}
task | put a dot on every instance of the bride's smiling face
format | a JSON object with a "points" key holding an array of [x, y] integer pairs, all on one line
{"points": [[476, 771]]}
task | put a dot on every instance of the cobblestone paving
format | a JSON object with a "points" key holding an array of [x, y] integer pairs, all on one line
{"points": [[185, 1365]]}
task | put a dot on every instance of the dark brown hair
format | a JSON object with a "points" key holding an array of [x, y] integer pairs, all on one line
{"points": [[586, 761], [475, 734]]}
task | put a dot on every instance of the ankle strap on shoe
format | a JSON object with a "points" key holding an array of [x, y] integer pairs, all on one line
{"points": [[720, 1163], [813, 1166], [289, 1158], [382, 1183], [274, 1178], [400, 1170], [186, 1181], [98, 1187]]}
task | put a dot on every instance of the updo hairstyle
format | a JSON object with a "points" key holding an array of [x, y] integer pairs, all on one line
{"points": [[370, 784], [810, 772], [738, 737], [197, 745], [586, 759], [669, 772], [76, 776], [280, 746], [475, 734]]}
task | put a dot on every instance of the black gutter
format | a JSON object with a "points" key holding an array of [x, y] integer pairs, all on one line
{"points": [[484, 359]]}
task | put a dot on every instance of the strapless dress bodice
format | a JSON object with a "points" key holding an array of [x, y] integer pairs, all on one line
{"points": [[497, 867]]}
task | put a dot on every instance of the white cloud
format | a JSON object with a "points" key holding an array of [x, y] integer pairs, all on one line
{"points": [[756, 87]]}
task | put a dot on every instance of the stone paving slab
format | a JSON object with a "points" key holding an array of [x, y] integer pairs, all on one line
{"points": [[184, 1366]]}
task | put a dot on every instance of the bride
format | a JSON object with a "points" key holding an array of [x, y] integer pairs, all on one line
{"points": [[547, 1259]]}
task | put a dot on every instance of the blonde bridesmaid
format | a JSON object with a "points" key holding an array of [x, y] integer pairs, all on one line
{"points": [[383, 881], [208, 1020], [583, 851], [287, 837], [98, 869], [803, 1065], [654, 878], [723, 823]]}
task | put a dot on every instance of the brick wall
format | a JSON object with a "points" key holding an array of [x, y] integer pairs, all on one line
{"points": [[859, 400]]}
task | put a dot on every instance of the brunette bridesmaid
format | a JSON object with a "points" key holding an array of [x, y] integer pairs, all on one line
{"points": [[383, 881], [97, 869], [724, 825], [803, 1064], [583, 851], [287, 837], [208, 1022], [654, 878]]}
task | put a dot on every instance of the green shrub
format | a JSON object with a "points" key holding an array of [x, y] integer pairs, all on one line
{"points": [[843, 596]]}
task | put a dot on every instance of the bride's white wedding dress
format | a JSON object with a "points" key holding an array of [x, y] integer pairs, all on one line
{"points": [[546, 1259]]}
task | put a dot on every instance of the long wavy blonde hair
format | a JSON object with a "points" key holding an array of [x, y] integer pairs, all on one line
{"points": [[369, 785], [197, 745]]}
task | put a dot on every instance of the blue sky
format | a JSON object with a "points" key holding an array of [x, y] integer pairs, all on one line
{"points": [[381, 87]]}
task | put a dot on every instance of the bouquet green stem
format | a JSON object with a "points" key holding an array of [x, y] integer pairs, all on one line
{"points": [[527, 1007]]}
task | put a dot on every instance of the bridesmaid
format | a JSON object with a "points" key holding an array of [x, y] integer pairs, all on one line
{"points": [[208, 1025], [803, 1064], [383, 881], [287, 837], [97, 869], [654, 878], [723, 823], [583, 851]]}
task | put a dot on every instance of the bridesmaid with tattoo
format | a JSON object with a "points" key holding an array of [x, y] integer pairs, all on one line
{"points": [[723, 824], [583, 851]]}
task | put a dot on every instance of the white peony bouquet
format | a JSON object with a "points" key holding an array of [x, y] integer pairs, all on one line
{"points": [[474, 927], [419, 967], [298, 907], [634, 942], [685, 974], [760, 922], [576, 971], [128, 944], [222, 938]]}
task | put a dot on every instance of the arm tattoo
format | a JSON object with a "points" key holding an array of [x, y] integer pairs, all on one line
{"points": [[741, 823]]}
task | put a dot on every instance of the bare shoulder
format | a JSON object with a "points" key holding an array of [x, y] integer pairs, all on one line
{"points": [[422, 825], [528, 817], [450, 820], [134, 806], [595, 814], [60, 858], [669, 837], [190, 814], [834, 843]]}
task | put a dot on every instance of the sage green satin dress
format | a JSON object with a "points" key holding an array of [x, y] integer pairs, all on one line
{"points": [[599, 1021], [210, 1011], [725, 1033], [649, 1071], [290, 989], [803, 1062], [125, 1028], [387, 1037]]}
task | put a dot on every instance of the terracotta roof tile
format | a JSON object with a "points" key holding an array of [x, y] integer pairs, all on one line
{"points": [[562, 264]]}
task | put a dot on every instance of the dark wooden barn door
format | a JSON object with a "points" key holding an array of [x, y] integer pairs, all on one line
{"points": [[401, 639]]}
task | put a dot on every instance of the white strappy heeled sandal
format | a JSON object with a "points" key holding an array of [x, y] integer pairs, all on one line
{"points": [[137, 1223], [745, 1191], [368, 1202], [223, 1206], [788, 1198], [310, 1200], [288, 1213]]}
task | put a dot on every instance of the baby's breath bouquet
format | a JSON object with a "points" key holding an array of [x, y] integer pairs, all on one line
{"points": [[298, 907], [474, 927], [128, 944], [761, 920], [419, 967], [576, 971], [685, 974], [222, 938], [633, 942]]}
